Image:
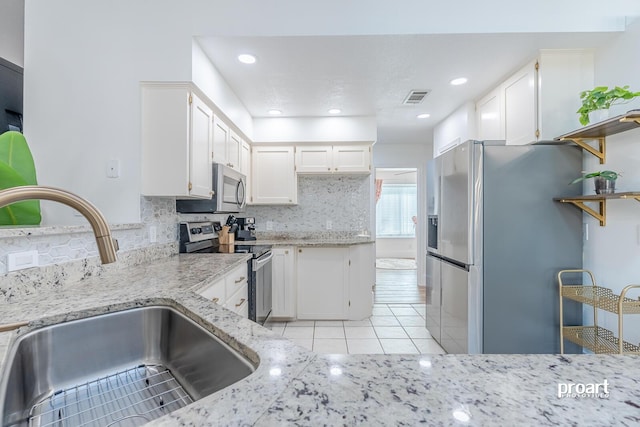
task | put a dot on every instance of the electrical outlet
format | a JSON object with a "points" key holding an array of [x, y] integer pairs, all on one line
{"points": [[21, 260], [113, 168], [329, 224], [153, 234], [269, 225]]}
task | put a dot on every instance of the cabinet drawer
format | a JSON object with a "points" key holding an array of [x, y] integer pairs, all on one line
{"points": [[215, 292], [236, 279], [235, 301]]}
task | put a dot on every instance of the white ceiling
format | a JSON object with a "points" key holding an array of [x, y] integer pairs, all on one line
{"points": [[371, 75]]}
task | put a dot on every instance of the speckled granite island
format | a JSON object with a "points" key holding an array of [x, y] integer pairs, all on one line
{"points": [[292, 386]]}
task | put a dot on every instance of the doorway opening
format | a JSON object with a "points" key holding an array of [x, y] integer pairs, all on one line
{"points": [[396, 242]]}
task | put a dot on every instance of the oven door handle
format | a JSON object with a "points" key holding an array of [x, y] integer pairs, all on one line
{"points": [[258, 263]]}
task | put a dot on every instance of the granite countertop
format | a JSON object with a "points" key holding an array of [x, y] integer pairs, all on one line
{"points": [[293, 386]]}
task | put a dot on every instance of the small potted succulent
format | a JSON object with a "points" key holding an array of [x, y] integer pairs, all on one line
{"points": [[605, 181], [601, 98]]}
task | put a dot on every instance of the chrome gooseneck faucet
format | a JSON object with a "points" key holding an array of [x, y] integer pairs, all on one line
{"points": [[107, 246]]}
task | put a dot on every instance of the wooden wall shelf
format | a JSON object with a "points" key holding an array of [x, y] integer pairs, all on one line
{"points": [[601, 199], [599, 131]]}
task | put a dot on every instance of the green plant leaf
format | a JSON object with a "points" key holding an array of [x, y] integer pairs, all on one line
{"points": [[16, 169], [21, 213]]}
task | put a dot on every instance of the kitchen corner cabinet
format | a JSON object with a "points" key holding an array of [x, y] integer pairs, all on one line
{"points": [[177, 138], [284, 282], [322, 276], [231, 291], [327, 159], [540, 99], [596, 338], [489, 116], [273, 176]]}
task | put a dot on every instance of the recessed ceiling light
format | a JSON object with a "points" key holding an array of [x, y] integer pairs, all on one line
{"points": [[245, 58], [335, 111], [458, 81], [275, 112], [423, 115]]}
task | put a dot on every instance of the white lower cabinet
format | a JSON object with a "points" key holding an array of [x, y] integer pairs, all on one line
{"points": [[335, 283], [322, 275], [231, 291], [284, 282]]}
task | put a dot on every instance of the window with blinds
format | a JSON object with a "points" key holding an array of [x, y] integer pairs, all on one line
{"points": [[395, 211]]}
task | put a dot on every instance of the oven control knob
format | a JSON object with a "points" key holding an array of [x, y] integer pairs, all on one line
{"points": [[196, 230]]}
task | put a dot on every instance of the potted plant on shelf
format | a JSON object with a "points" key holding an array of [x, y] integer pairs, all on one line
{"points": [[601, 98], [605, 181]]}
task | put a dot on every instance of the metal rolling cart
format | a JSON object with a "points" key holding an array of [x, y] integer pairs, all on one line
{"points": [[594, 337]]}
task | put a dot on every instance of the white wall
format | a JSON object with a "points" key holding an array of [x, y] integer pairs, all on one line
{"points": [[390, 155], [613, 252], [210, 81], [396, 248], [315, 129], [12, 31]]}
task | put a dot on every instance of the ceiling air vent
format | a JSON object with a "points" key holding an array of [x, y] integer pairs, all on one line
{"points": [[415, 97]]}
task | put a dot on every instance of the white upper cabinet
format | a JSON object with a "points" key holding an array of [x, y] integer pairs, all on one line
{"points": [[314, 159], [352, 158], [458, 127], [490, 116], [539, 101], [176, 141], [520, 106], [220, 140], [273, 176], [234, 147], [227, 145]]}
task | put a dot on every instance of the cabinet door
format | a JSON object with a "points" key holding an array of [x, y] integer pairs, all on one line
{"points": [[362, 279], [284, 289], [322, 275], [200, 149], [489, 117], [233, 151], [273, 176], [314, 159], [220, 140], [520, 107], [352, 158]]}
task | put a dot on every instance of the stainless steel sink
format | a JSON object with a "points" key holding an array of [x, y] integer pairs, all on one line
{"points": [[118, 369]]}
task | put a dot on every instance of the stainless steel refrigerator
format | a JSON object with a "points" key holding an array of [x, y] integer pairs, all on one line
{"points": [[496, 240]]}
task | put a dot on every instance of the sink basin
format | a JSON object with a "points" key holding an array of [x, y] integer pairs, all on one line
{"points": [[118, 369]]}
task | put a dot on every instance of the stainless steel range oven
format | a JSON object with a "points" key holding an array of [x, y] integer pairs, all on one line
{"points": [[201, 237]]}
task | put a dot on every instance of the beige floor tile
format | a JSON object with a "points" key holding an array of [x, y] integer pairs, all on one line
{"points": [[359, 332], [398, 346], [329, 332], [364, 346], [427, 346], [404, 311], [328, 322], [390, 332], [382, 311], [417, 332], [305, 332], [358, 323], [301, 323], [384, 321], [412, 320], [330, 346]]}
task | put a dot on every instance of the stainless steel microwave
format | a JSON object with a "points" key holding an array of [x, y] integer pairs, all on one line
{"points": [[229, 194]]}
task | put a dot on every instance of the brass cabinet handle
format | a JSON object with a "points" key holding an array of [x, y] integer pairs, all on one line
{"points": [[328, 169], [286, 252], [336, 168], [241, 302], [216, 299], [240, 279], [299, 250]]}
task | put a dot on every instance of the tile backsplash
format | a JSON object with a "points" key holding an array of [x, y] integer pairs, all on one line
{"points": [[344, 200], [63, 244]]}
